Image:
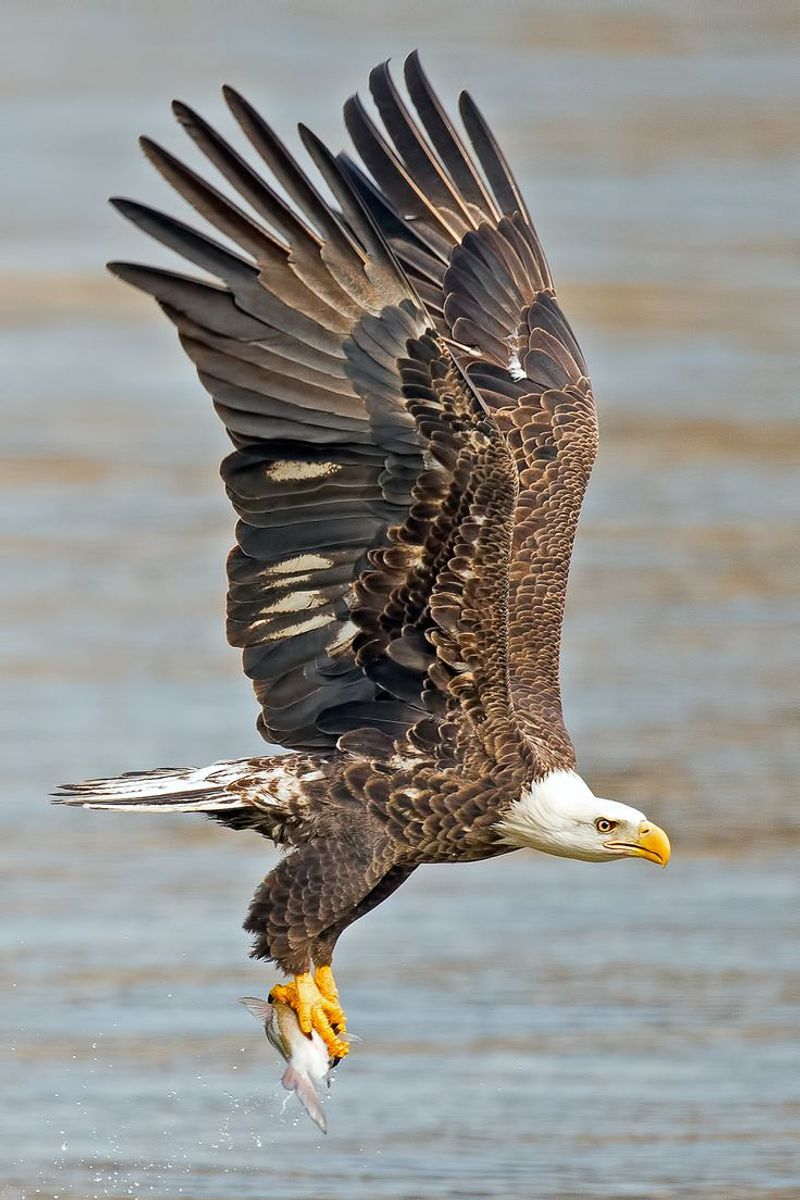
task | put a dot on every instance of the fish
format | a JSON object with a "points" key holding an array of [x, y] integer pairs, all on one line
{"points": [[308, 1064]]}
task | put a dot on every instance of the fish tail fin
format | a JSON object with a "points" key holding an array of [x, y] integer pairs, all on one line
{"points": [[299, 1083]]}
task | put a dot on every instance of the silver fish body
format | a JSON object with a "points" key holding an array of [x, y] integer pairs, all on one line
{"points": [[308, 1067]]}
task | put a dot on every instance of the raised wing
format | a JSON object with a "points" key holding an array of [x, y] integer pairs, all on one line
{"points": [[457, 223], [369, 585]]}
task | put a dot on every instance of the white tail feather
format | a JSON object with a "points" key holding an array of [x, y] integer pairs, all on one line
{"points": [[265, 794], [175, 789]]}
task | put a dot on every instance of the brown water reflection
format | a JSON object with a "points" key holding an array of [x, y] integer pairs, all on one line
{"points": [[531, 1028]]}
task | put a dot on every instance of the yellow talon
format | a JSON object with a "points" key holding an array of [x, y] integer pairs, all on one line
{"points": [[314, 1010], [323, 977]]}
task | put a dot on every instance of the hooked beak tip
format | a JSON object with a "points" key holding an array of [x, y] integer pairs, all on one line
{"points": [[651, 843], [654, 844]]}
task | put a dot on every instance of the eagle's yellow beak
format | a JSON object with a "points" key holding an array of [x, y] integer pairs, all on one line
{"points": [[652, 843]]}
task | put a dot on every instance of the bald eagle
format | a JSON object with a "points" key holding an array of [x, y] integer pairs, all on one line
{"points": [[413, 432]]}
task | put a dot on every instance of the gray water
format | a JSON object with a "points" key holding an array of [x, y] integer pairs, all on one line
{"points": [[531, 1028]]}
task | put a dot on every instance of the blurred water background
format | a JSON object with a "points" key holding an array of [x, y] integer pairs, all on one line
{"points": [[531, 1028]]}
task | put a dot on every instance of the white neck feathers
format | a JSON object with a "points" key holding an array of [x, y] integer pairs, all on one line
{"points": [[542, 816]]}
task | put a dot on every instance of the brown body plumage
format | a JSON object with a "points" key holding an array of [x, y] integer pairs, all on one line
{"points": [[413, 431]]}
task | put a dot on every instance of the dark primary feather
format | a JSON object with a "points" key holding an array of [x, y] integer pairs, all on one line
{"points": [[447, 141]]}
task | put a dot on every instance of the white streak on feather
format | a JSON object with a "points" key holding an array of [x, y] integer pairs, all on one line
{"points": [[515, 369], [293, 580], [297, 602], [343, 635], [289, 470], [300, 563], [293, 630]]}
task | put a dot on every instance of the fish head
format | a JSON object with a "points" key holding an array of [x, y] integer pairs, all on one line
{"points": [[268, 1015]]}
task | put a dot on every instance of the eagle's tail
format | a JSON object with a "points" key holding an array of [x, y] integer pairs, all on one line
{"points": [[278, 797], [168, 789]]}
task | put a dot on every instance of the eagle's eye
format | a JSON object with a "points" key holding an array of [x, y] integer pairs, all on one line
{"points": [[603, 825]]}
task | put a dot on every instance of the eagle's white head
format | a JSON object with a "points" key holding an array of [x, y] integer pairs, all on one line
{"points": [[560, 815]]}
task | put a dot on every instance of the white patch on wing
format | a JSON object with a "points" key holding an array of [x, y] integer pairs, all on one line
{"points": [[300, 627], [515, 369], [343, 636], [297, 602], [300, 563], [286, 471]]}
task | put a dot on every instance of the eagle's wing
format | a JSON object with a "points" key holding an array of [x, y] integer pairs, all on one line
{"points": [[369, 585], [466, 241]]}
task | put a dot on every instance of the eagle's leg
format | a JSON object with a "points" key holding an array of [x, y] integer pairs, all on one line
{"points": [[323, 977], [302, 907], [299, 911], [314, 1010], [323, 947]]}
